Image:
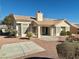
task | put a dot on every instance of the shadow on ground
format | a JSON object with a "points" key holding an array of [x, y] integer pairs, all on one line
{"points": [[39, 58], [24, 38]]}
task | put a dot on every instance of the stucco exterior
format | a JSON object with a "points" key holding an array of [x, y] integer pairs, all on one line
{"points": [[39, 26], [62, 24], [21, 28]]}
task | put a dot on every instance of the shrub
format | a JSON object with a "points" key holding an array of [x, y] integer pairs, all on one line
{"points": [[63, 33], [69, 49], [11, 32], [68, 33], [29, 35], [72, 38], [66, 50]]}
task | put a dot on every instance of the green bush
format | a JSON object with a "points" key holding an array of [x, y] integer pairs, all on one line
{"points": [[68, 33], [29, 34], [11, 32], [63, 33]]}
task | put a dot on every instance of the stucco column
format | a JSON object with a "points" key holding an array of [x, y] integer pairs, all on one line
{"points": [[39, 32], [67, 28], [58, 30], [51, 31], [21, 30], [17, 31]]}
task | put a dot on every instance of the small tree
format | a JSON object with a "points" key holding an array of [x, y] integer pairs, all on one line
{"points": [[29, 35], [8, 20]]}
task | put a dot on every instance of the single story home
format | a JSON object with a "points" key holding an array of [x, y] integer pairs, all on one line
{"points": [[39, 25]]}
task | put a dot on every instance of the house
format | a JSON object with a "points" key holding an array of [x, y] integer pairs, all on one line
{"points": [[3, 28], [39, 25], [74, 28]]}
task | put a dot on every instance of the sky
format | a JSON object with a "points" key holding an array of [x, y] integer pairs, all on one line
{"points": [[56, 9]]}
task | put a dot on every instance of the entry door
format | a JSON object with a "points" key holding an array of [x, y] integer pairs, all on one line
{"points": [[45, 31]]}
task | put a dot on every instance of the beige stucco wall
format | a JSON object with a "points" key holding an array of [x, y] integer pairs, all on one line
{"points": [[52, 31], [62, 24], [58, 30]]}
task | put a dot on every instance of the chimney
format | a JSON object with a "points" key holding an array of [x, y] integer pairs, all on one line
{"points": [[39, 16]]}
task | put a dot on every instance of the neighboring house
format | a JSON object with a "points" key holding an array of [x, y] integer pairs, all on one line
{"points": [[39, 26], [75, 28], [3, 27]]}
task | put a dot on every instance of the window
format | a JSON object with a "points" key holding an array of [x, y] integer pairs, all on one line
{"points": [[63, 28], [34, 29]]}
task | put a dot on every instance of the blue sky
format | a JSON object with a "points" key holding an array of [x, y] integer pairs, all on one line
{"points": [[59, 9]]}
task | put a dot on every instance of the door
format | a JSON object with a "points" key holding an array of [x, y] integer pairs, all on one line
{"points": [[45, 31]]}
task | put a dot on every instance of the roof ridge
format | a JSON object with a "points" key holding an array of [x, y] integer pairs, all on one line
{"points": [[22, 16]]}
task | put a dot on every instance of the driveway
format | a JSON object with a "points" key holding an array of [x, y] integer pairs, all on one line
{"points": [[49, 46]]}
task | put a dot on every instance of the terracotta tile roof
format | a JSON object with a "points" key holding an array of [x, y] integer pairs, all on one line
{"points": [[75, 25], [22, 18], [43, 23], [49, 22]]}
